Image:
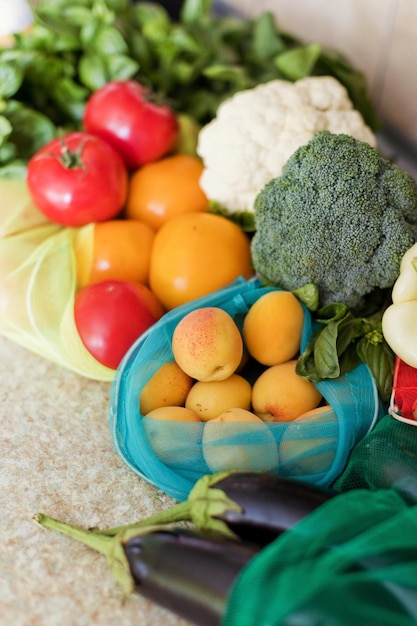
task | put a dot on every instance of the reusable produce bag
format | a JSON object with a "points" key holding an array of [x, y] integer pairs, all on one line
{"points": [[385, 458], [319, 451], [38, 283], [352, 561]]}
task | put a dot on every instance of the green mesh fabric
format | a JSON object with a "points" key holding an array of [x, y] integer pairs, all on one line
{"points": [[384, 458], [353, 561], [173, 455]]}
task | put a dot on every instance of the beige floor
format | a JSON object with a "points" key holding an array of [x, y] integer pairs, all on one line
{"points": [[56, 457]]}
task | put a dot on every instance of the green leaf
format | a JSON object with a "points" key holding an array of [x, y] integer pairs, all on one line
{"points": [[321, 358], [14, 169], [92, 71], [70, 97], [5, 129], [332, 313], [350, 329], [194, 10], [120, 67], [185, 42], [8, 152], [309, 295], [31, 129], [266, 42], [109, 40], [326, 356], [228, 73], [298, 62], [76, 15], [244, 219], [11, 78], [380, 359], [149, 12]]}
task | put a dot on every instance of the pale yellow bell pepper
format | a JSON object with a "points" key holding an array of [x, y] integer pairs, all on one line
{"points": [[399, 322]]}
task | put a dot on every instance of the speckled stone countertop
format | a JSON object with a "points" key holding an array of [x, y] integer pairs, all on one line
{"points": [[56, 457]]}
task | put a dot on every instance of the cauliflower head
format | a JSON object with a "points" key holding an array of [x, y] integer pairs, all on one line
{"points": [[257, 130]]}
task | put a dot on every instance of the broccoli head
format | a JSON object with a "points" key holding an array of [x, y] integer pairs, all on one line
{"points": [[339, 216]]}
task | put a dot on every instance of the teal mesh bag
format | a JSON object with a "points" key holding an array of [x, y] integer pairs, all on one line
{"points": [[353, 561], [170, 454]]}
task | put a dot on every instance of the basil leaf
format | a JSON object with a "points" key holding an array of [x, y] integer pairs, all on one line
{"points": [[11, 78], [194, 10], [266, 41], [108, 40], [14, 169], [326, 356], [298, 62], [120, 67], [309, 295], [5, 129], [373, 350], [233, 74], [331, 312], [31, 129], [70, 97], [92, 71]]}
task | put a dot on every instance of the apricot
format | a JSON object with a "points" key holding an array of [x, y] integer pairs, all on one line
{"points": [[174, 434], [207, 344], [169, 386], [273, 326], [176, 413], [238, 440], [309, 443], [279, 394], [209, 399]]}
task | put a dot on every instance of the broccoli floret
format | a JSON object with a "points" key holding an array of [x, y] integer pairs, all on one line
{"points": [[339, 216]]}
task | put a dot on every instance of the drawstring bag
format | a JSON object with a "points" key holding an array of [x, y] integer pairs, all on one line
{"points": [[351, 561], [310, 450], [385, 458], [38, 284]]}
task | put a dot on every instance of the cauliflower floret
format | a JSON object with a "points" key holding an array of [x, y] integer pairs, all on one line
{"points": [[257, 130]]}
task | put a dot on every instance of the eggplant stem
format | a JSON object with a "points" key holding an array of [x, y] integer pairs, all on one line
{"points": [[98, 542], [180, 512]]}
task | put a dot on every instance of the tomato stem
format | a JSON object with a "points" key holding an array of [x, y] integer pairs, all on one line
{"points": [[72, 159]]}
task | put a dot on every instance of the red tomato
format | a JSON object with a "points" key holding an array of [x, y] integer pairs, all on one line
{"points": [[110, 316], [122, 113], [78, 179]]}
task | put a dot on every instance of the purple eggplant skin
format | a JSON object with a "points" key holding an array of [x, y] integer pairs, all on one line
{"points": [[269, 504], [187, 572]]}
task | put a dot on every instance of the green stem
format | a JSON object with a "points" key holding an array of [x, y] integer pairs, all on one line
{"points": [[97, 541], [180, 512]]}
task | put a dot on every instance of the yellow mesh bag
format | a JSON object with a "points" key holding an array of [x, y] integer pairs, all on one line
{"points": [[38, 283]]}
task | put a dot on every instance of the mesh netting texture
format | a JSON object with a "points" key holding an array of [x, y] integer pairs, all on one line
{"points": [[386, 458], [319, 450], [38, 284], [352, 561]]}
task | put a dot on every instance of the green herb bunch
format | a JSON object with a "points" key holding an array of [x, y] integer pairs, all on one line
{"points": [[76, 46]]}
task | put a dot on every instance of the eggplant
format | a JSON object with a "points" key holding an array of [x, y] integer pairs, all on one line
{"points": [[186, 572], [252, 506], [268, 505]]}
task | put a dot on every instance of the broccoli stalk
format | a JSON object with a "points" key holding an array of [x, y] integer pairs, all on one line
{"points": [[340, 216]]}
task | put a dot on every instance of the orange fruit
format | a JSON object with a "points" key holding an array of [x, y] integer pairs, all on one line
{"points": [[195, 254], [113, 250], [273, 326], [163, 189]]}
